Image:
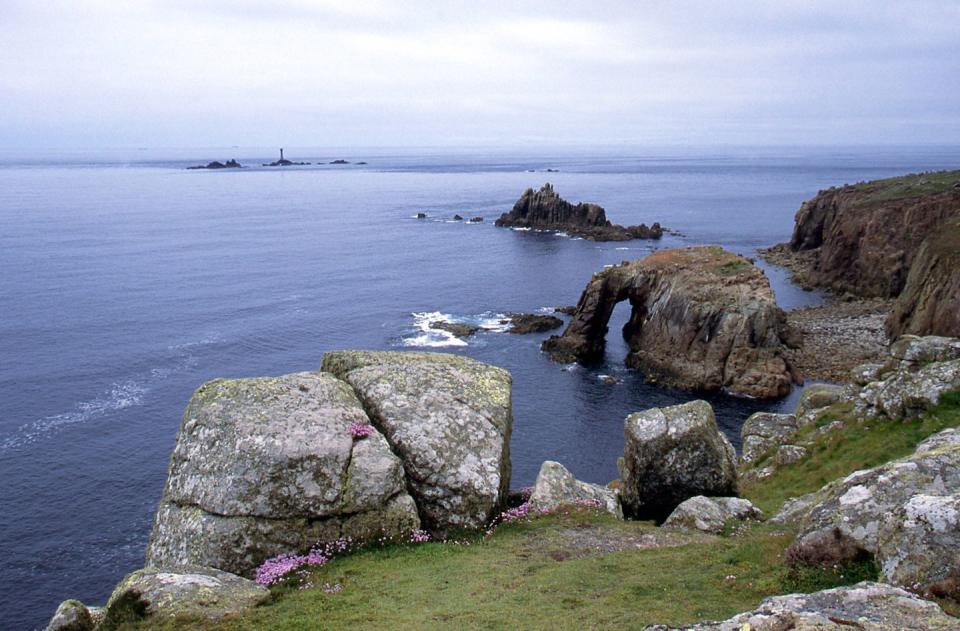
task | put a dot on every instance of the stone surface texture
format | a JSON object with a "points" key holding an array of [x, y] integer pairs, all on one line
{"points": [[555, 486]]}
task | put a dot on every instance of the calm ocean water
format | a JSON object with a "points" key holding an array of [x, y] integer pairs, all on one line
{"points": [[127, 281]]}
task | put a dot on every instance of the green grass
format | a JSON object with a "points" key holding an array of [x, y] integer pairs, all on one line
{"points": [[580, 569], [537, 575], [855, 445], [731, 268], [906, 186]]}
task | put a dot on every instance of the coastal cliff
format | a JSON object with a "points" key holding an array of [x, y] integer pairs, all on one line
{"points": [[865, 239], [702, 319], [546, 210]]}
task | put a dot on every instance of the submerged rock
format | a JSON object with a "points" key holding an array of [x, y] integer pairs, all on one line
{"points": [[268, 466], [457, 328], [198, 592], [523, 323], [711, 514], [556, 486], [868, 606], [702, 319], [546, 210], [672, 454], [449, 420]]}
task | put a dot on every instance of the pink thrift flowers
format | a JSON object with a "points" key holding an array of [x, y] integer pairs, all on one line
{"points": [[360, 430], [273, 570]]}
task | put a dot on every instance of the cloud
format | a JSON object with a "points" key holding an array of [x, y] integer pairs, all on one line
{"points": [[172, 72]]}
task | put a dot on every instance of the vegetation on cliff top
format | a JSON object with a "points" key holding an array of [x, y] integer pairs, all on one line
{"points": [[906, 186]]}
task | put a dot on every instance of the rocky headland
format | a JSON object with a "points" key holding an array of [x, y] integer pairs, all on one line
{"points": [[894, 239], [546, 210], [702, 319]]}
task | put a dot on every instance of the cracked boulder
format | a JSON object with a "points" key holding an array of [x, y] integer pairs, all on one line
{"points": [[269, 466], [448, 418], [672, 454]]}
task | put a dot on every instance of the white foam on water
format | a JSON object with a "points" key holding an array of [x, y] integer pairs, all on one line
{"points": [[621, 248], [562, 234], [428, 337], [120, 395], [522, 229]]}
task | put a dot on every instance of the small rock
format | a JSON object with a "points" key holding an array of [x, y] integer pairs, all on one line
{"points": [[818, 396], [457, 328], [185, 591], [763, 431], [568, 310], [71, 615], [421, 215], [522, 323], [477, 219], [608, 380], [789, 454], [865, 373], [457, 218], [556, 486], [710, 514]]}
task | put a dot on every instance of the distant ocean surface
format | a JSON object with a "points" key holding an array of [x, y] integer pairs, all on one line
{"points": [[126, 281]]}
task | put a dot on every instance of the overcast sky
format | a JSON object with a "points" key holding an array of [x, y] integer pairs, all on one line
{"points": [[180, 73]]}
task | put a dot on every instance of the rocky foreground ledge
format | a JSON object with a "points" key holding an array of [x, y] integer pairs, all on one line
{"points": [[546, 210], [702, 318]]}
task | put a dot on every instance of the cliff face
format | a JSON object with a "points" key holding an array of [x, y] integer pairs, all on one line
{"points": [[702, 319], [930, 301], [546, 210], [865, 243]]}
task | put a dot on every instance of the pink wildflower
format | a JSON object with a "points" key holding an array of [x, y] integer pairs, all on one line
{"points": [[419, 536], [360, 430]]}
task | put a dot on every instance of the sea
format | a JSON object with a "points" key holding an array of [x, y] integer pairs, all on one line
{"points": [[127, 280]]}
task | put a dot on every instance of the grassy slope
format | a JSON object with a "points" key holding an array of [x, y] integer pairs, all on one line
{"points": [[905, 186], [549, 573]]}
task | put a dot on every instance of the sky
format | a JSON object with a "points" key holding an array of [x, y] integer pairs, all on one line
{"points": [[204, 73]]}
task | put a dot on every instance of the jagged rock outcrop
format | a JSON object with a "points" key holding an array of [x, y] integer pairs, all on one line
{"points": [[268, 466], [905, 393], [930, 300], [546, 210], [711, 514], [868, 606], [702, 319], [449, 420], [523, 323], [229, 164], [190, 591], [672, 454], [72, 615], [555, 486]]}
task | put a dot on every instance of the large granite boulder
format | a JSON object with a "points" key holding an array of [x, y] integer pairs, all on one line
{"points": [[555, 486], [867, 606], [546, 210], [762, 432], [191, 591], [269, 466], [672, 454], [702, 319], [711, 514], [919, 545], [449, 420], [848, 515]]}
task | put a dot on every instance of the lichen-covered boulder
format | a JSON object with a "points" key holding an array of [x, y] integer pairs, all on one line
{"points": [[269, 466], [854, 508], [906, 393], [71, 615], [556, 486], [919, 543], [868, 606], [789, 454], [816, 397], [912, 350], [711, 514], [194, 591], [865, 373], [448, 418], [763, 431], [672, 454]]}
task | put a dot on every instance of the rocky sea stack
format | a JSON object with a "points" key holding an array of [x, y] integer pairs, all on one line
{"points": [[702, 319], [894, 238], [546, 210]]}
